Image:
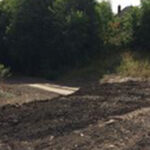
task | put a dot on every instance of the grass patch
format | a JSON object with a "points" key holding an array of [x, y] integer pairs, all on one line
{"points": [[4, 94], [135, 64]]}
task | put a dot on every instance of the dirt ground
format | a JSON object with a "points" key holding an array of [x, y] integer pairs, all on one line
{"points": [[19, 94], [110, 116]]}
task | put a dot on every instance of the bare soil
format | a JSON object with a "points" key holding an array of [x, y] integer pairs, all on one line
{"points": [[19, 94], [110, 116]]}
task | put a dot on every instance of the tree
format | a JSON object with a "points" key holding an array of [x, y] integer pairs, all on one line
{"points": [[144, 36], [104, 16], [52, 36], [4, 22], [122, 30]]}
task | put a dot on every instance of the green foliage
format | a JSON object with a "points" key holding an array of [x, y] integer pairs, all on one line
{"points": [[4, 72], [52, 36], [134, 64], [102, 64], [122, 30], [121, 63], [105, 16], [144, 29]]}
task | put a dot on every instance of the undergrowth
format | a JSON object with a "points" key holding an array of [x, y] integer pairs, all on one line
{"points": [[135, 64], [125, 63]]}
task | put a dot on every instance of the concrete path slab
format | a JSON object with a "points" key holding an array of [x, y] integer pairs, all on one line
{"points": [[62, 90]]}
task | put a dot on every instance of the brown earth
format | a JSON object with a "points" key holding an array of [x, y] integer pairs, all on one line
{"points": [[111, 116], [19, 94]]}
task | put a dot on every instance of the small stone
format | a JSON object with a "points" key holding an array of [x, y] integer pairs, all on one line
{"points": [[76, 146], [81, 134], [111, 146], [51, 138]]}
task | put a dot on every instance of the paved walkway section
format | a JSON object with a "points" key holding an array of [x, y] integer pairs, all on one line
{"points": [[62, 90]]}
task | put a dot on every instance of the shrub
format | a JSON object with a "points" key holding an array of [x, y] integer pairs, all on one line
{"points": [[122, 30], [144, 30], [48, 37], [4, 72], [134, 65]]}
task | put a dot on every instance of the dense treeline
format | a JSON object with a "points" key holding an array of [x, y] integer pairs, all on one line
{"points": [[48, 37], [52, 35]]}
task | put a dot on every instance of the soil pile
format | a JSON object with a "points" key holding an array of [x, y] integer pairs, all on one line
{"points": [[98, 117]]}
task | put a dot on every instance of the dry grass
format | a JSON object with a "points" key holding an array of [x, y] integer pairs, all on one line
{"points": [[124, 63], [134, 64], [4, 94]]}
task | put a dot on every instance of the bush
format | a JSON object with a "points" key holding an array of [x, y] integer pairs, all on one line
{"points": [[4, 72], [144, 30], [122, 30], [53, 35], [134, 64]]}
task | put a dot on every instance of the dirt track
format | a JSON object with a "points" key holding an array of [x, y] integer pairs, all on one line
{"points": [[98, 117]]}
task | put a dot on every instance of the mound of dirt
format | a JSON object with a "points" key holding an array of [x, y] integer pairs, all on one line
{"points": [[98, 117]]}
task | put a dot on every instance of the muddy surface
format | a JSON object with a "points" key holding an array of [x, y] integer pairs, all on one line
{"points": [[98, 117]]}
